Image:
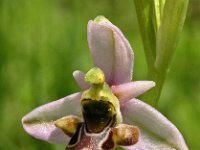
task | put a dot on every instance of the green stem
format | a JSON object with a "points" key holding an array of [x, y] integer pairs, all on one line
{"points": [[158, 76]]}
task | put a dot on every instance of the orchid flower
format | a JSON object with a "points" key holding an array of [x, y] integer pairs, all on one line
{"points": [[106, 113]]}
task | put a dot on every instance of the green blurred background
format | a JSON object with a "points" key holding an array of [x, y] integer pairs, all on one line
{"points": [[43, 41]]}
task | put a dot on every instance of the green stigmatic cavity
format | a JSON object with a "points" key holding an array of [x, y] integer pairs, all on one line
{"points": [[100, 107]]}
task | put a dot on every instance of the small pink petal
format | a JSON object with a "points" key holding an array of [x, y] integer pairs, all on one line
{"points": [[130, 90], [40, 122], [79, 77], [111, 52], [156, 132]]}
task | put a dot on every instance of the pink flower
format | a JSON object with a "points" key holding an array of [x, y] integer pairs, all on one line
{"points": [[113, 54]]}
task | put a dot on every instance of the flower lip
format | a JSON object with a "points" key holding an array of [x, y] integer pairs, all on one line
{"points": [[98, 115]]}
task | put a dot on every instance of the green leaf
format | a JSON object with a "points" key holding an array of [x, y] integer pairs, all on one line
{"points": [[161, 23], [144, 12], [169, 32], [156, 14]]}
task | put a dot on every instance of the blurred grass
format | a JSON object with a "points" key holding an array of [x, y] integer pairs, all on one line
{"points": [[43, 41]]}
